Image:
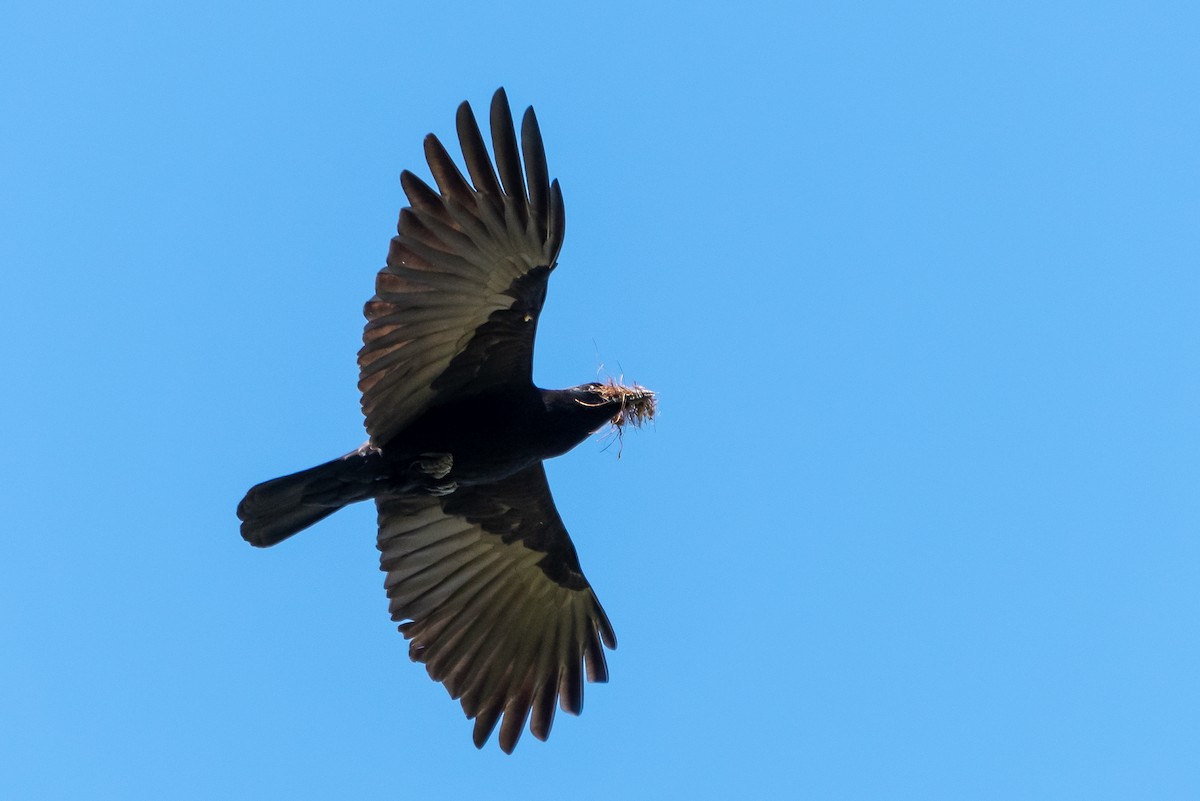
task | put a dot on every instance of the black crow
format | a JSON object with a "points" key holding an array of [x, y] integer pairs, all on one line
{"points": [[481, 574]]}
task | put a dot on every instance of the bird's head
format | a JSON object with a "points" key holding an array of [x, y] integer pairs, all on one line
{"points": [[575, 413], [620, 405]]}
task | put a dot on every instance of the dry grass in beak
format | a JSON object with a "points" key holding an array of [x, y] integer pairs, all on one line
{"points": [[638, 404]]}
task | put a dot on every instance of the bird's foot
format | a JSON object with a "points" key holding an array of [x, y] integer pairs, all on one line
{"points": [[440, 488], [431, 470], [435, 465]]}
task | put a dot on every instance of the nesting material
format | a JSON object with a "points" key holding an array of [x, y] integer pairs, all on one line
{"points": [[638, 404]]}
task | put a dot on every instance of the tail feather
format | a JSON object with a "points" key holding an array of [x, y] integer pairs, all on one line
{"points": [[275, 510]]}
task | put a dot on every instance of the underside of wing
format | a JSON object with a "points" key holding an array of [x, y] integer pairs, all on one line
{"points": [[486, 585], [455, 310]]}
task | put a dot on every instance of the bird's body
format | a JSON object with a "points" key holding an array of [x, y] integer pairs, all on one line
{"points": [[481, 573], [473, 441], [495, 435]]}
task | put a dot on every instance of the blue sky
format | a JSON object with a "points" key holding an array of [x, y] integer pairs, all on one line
{"points": [[917, 282]]}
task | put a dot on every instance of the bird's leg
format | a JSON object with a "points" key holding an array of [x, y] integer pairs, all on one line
{"points": [[432, 468]]}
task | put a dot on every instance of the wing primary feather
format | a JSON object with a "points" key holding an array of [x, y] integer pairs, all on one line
{"points": [[557, 225], [542, 658], [485, 721], [537, 655], [537, 174], [516, 712], [549, 668], [570, 682], [606, 630], [422, 197], [541, 714], [445, 172], [593, 657], [479, 165], [508, 156]]}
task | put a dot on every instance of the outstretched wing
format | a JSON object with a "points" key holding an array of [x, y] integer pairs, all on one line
{"points": [[456, 308], [487, 587]]}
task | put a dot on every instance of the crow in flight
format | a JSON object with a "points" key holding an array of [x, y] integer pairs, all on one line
{"points": [[481, 574]]}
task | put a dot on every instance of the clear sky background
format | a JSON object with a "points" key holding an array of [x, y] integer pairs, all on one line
{"points": [[919, 286]]}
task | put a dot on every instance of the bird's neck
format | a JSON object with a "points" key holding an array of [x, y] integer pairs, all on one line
{"points": [[568, 421]]}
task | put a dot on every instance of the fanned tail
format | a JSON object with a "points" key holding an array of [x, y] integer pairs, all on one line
{"points": [[275, 510]]}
